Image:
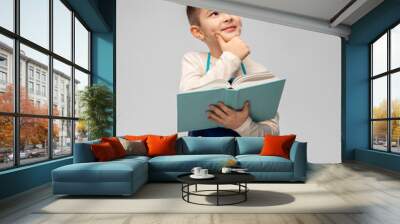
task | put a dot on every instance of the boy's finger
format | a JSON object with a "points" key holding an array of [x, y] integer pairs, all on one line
{"points": [[218, 111], [246, 106], [214, 117], [224, 108]]}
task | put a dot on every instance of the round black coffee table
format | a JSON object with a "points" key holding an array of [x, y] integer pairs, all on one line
{"points": [[238, 179]]}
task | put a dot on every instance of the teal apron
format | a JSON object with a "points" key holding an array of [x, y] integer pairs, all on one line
{"points": [[219, 131]]}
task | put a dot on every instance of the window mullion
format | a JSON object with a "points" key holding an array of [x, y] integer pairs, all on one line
{"points": [[73, 82], [371, 145], [16, 84], [389, 112], [50, 81]]}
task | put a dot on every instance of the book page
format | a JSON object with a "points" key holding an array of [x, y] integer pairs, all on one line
{"points": [[216, 84], [253, 79]]}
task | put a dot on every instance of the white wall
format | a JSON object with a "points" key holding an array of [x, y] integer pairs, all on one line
{"points": [[152, 37]]}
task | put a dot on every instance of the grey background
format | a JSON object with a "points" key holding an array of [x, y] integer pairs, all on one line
{"points": [[152, 37]]}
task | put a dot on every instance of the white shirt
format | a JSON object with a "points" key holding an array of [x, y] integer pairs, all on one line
{"points": [[194, 76]]}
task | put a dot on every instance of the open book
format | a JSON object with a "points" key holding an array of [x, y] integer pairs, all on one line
{"points": [[263, 91]]}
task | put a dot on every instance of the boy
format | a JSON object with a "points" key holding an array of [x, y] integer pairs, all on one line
{"points": [[226, 59]]}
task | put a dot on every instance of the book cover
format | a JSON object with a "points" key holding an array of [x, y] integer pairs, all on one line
{"points": [[264, 97]]}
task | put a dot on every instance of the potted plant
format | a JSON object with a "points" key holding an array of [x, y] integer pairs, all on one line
{"points": [[96, 102]]}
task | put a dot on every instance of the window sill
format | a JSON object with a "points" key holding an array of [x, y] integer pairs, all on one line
{"points": [[382, 159], [25, 167]]}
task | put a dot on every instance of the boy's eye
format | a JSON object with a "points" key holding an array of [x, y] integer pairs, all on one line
{"points": [[215, 13]]}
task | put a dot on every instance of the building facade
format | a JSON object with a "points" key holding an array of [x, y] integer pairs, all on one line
{"points": [[34, 81]]}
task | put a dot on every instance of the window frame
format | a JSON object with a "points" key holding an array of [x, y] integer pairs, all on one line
{"points": [[16, 115], [388, 74]]}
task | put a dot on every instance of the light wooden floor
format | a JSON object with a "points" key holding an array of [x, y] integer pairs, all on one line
{"points": [[351, 181]]}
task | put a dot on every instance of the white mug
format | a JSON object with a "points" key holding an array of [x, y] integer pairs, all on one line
{"points": [[226, 170], [196, 171], [203, 172]]}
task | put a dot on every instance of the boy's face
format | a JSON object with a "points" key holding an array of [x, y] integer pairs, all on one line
{"points": [[213, 22]]}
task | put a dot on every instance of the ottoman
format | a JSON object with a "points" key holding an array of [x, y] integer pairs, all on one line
{"points": [[118, 177]]}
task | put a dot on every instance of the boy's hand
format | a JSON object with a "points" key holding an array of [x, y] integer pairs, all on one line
{"points": [[229, 118], [236, 46]]}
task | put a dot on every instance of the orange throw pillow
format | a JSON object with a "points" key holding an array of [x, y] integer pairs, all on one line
{"points": [[277, 145], [103, 151], [136, 137], [116, 145], [161, 145]]}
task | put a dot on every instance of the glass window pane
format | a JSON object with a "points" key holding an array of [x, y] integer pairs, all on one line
{"points": [[6, 74], [33, 140], [395, 136], [379, 135], [7, 14], [6, 142], [35, 21], [62, 29], [379, 97], [81, 81], [379, 55], [81, 45], [395, 47], [62, 138], [395, 94], [81, 131], [34, 97], [62, 89]]}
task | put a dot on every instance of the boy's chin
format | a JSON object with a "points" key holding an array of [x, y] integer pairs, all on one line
{"points": [[230, 36]]}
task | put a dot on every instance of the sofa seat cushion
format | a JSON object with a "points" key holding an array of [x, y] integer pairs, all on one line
{"points": [[112, 171], [185, 163], [133, 158], [257, 163]]}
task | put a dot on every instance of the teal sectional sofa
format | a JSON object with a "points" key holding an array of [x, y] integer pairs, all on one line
{"points": [[125, 176]]}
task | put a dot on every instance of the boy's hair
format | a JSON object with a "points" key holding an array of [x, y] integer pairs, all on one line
{"points": [[193, 15]]}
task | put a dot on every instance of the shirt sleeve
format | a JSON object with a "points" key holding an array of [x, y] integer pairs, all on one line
{"points": [[259, 129], [249, 127], [193, 76]]}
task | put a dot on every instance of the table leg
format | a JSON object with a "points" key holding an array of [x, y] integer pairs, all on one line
{"points": [[196, 187], [217, 194], [245, 193], [188, 190]]}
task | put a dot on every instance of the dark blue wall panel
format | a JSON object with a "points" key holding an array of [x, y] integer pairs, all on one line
{"points": [[356, 105], [24, 178]]}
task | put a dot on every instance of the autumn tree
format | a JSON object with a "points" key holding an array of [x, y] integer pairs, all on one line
{"points": [[33, 131], [6, 122], [380, 127]]}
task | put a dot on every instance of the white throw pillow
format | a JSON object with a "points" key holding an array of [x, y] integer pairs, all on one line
{"points": [[134, 147]]}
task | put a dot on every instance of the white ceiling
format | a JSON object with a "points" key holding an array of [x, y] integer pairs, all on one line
{"points": [[320, 9], [314, 15]]}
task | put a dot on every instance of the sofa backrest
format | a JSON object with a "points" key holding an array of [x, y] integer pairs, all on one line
{"points": [[206, 145], [249, 145], [83, 153], [191, 146]]}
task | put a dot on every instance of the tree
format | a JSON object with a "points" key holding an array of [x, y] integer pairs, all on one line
{"points": [[33, 131], [81, 130], [6, 122], [380, 127], [97, 104], [395, 124]]}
